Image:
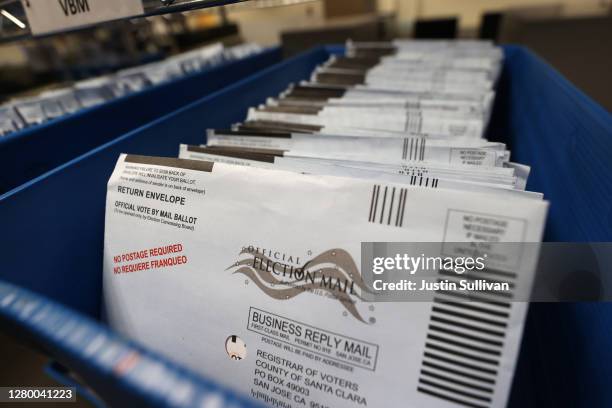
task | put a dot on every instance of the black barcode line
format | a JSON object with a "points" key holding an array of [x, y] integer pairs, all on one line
{"points": [[422, 157], [460, 363], [456, 343], [382, 210], [417, 180], [402, 208], [467, 336], [391, 206], [458, 372], [413, 149], [451, 380], [413, 122], [455, 391], [376, 202], [469, 317], [471, 307], [372, 204], [474, 298], [460, 354], [388, 210], [466, 326], [451, 399], [400, 204]]}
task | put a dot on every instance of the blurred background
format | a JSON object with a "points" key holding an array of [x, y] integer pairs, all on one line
{"points": [[570, 34]]}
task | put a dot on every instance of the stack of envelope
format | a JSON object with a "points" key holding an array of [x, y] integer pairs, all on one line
{"points": [[266, 290], [347, 122], [21, 113]]}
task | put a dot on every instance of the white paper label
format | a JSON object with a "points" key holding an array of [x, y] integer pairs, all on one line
{"points": [[47, 16]]}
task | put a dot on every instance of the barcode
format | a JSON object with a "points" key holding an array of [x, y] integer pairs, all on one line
{"points": [[423, 181], [413, 149], [387, 204], [464, 341], [414, 122]]}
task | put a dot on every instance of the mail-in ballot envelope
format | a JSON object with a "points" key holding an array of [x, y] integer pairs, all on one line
{"points": [[252, 277]]}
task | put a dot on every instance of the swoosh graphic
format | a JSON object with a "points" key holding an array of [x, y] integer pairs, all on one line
{"points": [[344, 269]]}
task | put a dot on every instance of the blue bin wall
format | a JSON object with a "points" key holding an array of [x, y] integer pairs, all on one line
{"points": [[566, 358], [29, 153], [121, 373], [565, 137], [566, 354], [53, 226]]}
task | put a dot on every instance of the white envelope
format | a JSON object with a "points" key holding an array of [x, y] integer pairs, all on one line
{"points": [[188, 258], [468, 152]]}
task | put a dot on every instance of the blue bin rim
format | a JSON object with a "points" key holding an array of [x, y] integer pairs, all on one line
{"points": [[588, 106], [29, 131], [331, 50], [80, 361]]}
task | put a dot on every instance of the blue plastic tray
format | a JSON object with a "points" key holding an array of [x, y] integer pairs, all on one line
{"points": [[33, 151], [52, 226], [566, 354]]}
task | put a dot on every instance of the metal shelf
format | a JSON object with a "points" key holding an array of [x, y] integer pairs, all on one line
{"points": [[14, 23]]}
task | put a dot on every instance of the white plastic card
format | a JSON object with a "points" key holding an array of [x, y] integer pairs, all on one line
{"points": [[51, 16]]}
